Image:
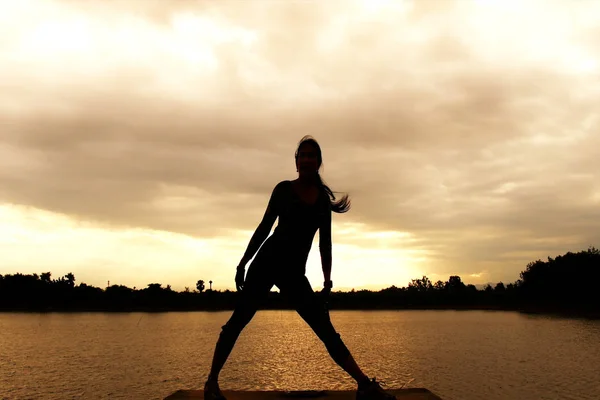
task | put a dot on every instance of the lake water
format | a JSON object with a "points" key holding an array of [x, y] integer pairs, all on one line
{"points": [[459, 355]]}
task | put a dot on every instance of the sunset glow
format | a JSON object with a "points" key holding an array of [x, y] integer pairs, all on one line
{"points": [[141, 141]]}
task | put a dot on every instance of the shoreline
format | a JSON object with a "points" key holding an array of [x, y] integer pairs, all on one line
{"points": [[533, 310]]}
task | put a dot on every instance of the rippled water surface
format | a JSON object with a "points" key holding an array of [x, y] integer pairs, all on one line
{"points": [[459, 355]]}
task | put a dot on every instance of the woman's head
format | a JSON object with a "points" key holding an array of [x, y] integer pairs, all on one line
{"points": [[309, 160], [308, 156]]}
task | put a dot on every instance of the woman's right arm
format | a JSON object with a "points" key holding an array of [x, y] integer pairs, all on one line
{"points": [[264, 228]]}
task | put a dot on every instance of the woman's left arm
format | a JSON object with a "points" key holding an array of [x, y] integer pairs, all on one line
{"points": [[325, 243]]}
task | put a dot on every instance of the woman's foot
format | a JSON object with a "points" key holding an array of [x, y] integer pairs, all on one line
{"points": [[212, 390], [372, 390]]}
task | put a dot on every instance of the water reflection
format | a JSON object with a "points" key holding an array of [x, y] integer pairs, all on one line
{"points": [[458, 354]]}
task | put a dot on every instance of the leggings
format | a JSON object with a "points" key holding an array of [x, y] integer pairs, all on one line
{"points": [[296, 289]]}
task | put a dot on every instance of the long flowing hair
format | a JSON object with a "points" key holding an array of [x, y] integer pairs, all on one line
{"points": [[343, 204]]}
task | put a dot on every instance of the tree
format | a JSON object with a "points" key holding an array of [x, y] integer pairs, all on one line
{"points": [[421, 285], [200, 285], [70, 279], [455, 284], [45, 277], [154, 287]]}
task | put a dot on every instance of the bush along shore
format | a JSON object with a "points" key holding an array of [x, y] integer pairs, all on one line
{"points": [[565, 284]]}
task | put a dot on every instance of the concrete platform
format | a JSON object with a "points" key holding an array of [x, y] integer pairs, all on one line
{"points": [[401, 394]]}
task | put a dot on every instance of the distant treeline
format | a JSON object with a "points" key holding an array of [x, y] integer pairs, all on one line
{"points": [[566, 283]]}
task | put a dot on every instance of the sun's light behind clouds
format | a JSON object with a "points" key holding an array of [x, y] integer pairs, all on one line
{"points": [[52, 40], [370, 259], [36, 241]]}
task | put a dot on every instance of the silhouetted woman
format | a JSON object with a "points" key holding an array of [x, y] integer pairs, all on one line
{"points": [[303, 206]]}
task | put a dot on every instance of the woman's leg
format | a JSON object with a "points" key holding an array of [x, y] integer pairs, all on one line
{"points": [[312, 309], [242, 315], [256, 288]]}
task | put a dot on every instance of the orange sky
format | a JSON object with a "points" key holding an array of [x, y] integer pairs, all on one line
{"points": [[141, 139]]}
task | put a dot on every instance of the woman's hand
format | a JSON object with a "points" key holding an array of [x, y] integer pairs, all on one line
{"points": [[239, 278]]}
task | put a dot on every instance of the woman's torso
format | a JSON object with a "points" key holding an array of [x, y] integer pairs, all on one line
{"points": [[298, 222]]}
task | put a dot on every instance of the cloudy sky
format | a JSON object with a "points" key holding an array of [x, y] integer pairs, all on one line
{"points": [[140, 140]]}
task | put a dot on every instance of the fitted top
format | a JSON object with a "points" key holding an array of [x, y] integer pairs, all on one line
{"points": [[298, 222]]}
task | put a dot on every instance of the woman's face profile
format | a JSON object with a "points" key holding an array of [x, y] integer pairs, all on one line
{"points": [[308, 159]]}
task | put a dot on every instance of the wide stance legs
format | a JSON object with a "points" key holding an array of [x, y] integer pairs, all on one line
{"points": [[309, 306]]}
